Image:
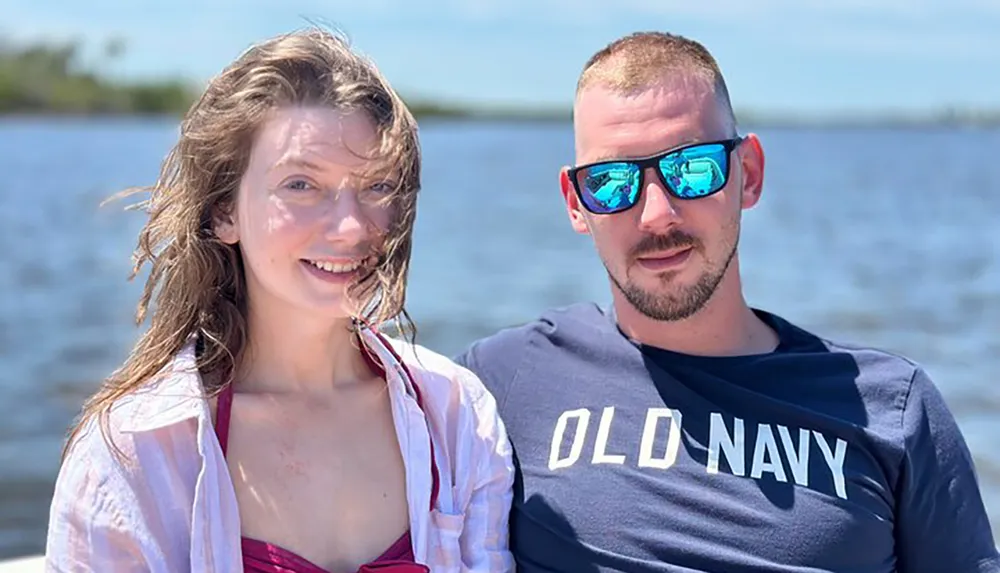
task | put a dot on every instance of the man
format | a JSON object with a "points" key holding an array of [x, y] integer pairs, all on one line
{"points": [[682, 429]]}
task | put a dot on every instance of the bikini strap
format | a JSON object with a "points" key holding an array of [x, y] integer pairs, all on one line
{"points": [[224, 408], [373, 362], [223, 412], [435, 477]]}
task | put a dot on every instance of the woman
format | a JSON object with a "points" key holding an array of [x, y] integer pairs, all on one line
{"points": [[263, 423]]}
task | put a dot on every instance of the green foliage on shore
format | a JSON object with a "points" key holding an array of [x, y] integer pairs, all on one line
{"points": [[51, 79], [47, 79]]}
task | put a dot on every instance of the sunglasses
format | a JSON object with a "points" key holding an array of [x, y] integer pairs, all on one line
{"points": [[690, 172]]}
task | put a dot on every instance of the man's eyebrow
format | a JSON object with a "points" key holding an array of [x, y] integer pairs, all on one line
{"points": [[612, 157]]}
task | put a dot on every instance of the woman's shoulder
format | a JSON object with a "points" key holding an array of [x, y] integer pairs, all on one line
{"points": [[153, 415], [462, 411], [442, 379], [126, 471]]}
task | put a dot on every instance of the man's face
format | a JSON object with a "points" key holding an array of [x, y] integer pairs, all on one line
{"points": [[666, 256]]}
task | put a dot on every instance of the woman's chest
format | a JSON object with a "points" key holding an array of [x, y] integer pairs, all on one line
{"points": [[328, 484]]}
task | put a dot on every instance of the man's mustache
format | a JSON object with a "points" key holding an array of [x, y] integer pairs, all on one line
{"points": [[673, 240]]}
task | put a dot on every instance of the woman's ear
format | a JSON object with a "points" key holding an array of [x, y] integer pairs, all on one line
{"points": [[224, 225]]}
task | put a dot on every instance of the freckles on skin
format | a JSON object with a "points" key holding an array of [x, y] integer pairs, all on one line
{"points": [[291, 462]]}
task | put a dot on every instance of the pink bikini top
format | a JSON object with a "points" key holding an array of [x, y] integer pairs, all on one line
{"points": [[262, 557]]}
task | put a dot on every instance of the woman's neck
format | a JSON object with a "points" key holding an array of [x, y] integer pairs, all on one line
{"points": [[289, 351]]}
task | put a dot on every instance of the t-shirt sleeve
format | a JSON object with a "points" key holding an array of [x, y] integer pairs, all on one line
{"points": [[496, 360], [942, 523]]}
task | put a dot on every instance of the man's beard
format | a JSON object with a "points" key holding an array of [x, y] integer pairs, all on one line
{"points": [[686, 301]]}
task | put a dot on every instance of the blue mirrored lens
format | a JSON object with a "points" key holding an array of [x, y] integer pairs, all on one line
{"points": [[696, 171], [609, 187]]}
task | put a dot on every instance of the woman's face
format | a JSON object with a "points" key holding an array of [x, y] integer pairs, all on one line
{"points": [[310, 212]]}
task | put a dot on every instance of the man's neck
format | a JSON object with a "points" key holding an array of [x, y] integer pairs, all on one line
{"points": [[725, 326]]}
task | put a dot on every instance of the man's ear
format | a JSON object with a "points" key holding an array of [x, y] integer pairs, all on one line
{"points": [[751, 156], [573, 208]]}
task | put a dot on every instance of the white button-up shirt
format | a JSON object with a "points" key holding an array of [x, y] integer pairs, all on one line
{"points": [[171, 506]]}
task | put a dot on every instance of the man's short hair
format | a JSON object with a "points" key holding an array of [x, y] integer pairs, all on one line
{"points": [[637, 61]]}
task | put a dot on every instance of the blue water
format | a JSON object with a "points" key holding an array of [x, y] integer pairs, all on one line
{"points": [[885, 237]]}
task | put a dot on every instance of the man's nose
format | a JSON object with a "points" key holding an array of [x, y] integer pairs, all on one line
{"points": [[657, 207]]}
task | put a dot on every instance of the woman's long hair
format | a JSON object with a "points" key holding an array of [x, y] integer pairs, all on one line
{"points": [[196, 284]]}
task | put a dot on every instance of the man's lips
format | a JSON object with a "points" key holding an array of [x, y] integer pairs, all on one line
{"points": [[664, 260]]}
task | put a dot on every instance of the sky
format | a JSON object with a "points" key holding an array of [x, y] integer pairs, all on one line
{"points": [[812, 57]]}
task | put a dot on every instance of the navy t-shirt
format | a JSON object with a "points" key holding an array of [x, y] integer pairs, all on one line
{"points": [[815, 457]]}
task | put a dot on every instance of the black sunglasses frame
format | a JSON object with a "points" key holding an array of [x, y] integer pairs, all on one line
{"points": [[653, 161]]}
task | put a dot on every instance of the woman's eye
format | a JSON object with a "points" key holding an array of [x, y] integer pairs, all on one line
{"points": [[299, 185], [382, 187]]}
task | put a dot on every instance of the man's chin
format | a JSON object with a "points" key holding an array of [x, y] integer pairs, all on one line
{"points": [[670, 283], [665, 301]]}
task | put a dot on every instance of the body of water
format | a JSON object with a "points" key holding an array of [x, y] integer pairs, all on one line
{"points": [[882, 237]]}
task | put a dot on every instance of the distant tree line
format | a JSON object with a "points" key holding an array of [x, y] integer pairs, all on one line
{"points": [[41, 78], [51, 79]]}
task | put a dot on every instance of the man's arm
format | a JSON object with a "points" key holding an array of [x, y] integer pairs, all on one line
{"points": [[942, 523], [495, 360]]}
